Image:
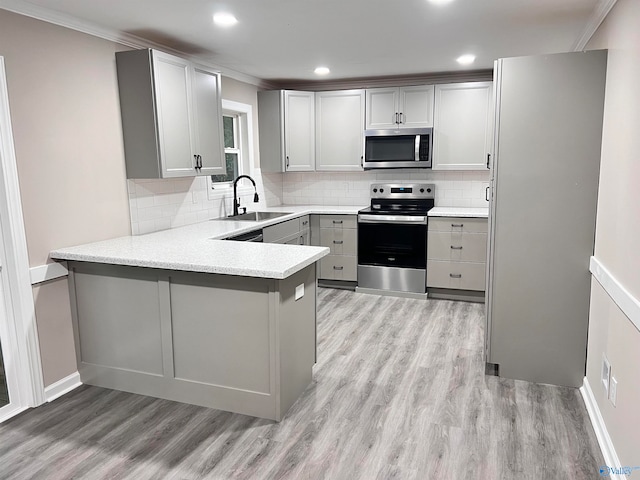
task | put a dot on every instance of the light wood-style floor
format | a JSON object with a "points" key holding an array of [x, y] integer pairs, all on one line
{"points": [[399, 391]]}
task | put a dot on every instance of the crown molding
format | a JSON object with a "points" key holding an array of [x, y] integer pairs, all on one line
{"points": [[600, 12], [386, 81], [27, 9]]}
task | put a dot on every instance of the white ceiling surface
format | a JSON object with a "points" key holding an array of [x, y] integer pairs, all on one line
{"points": [[287, 39]]}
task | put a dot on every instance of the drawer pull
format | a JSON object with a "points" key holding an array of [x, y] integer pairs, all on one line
{"points": [[305, 222], [337, 222], [457, 225], [455, 248], [338, 268], [338, 242], [455, 275]]}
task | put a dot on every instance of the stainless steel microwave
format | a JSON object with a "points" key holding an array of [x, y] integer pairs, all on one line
{"points": [[401, 148]]}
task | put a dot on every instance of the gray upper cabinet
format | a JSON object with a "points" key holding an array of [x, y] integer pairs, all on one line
{"points": [[287, 130], [340, 130], [403, 107], [171, 116], [462, 132]]}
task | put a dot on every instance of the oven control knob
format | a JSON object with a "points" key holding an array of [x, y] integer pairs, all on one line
{"points": [[375, 190], [422, 190], [381, 190], [428, 190]]}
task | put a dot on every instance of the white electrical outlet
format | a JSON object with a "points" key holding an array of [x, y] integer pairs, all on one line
{"points": [[606, 374], [613, 390]]}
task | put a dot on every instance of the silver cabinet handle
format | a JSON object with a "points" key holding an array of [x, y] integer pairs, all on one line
{"points": [[304, 222], [401, 118], [195, 157], [338, 242], [337, 268], [455, 248], [396, 118], [362, 161], [455, 275], [301, 240], [460, 225], [287, 161], [486, 194], [337, 222]]}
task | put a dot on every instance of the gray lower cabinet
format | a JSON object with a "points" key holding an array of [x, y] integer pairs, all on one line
{"points": [[340, 234], [291, 232], [457, 253], [238, 344]]}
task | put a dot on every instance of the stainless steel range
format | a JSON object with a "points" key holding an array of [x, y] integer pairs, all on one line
{"points": [[392, 237]]}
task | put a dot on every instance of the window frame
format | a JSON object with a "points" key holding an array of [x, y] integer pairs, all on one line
{"points": [[243, 140]]}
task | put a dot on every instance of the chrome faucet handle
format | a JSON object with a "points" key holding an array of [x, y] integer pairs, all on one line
{"points": [[244, 210]]}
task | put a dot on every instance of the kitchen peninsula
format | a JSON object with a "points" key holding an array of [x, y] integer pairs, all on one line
{"points": [[183, 315]]}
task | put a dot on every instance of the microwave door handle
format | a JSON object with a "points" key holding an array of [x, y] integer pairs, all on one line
{"points": [[417, 157]]}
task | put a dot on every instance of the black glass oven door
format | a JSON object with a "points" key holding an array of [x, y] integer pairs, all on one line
{"points": [[392, 245]]}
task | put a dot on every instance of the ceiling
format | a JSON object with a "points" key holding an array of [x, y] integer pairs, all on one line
{"points": [[287, 39]]}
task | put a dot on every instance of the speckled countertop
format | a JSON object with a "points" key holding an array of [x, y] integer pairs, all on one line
{"points": [[467, 212], [200, 248]]}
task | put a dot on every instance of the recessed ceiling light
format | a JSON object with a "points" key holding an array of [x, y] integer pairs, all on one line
{"points": [[467, 59], [322, 71], [440, 2], [224, 19]]}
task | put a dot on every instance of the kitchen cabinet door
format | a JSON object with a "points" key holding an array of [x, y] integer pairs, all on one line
{"points": [[171, 116], [382, 108], [340, 130], [299, 133], [400, 107], [173, 101], [207, 107], [416, 106], [462, 126]]}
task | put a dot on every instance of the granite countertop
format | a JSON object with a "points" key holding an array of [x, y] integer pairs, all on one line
{"points": [[466, 212], [200, 248]]}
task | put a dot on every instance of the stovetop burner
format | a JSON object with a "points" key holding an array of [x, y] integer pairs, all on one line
{"points": [[401, 199]]}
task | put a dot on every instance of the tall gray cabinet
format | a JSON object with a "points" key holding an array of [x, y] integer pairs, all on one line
{"points": [[544, 181]]}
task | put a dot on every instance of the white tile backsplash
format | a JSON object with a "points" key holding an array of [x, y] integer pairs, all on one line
{"points": [[168, 203], [162, 204], [453, 189]]}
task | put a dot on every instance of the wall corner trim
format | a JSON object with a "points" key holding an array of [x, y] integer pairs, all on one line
{"points": [[604, 440], [49, 271], [629, 305], [600, 12], [62, 387]]}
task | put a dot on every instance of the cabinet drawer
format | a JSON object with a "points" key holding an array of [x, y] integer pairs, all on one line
{"points": [[461, 247], [456, 275], [458, 224], [304, 223], [281, 230], [338, 267], [338, 221], [340, 241]]}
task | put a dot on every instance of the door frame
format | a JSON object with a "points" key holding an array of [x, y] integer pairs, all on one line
{"points": [[21, 349]]}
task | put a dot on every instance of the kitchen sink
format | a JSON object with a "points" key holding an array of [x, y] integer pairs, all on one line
{"points": [[257, 216]]}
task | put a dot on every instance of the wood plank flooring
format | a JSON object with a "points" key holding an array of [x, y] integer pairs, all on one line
{"points": [[399, 392]]}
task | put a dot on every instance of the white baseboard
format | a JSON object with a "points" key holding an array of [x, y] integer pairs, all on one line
{"points": [[61, 387], [10, 412], [604, 440]]}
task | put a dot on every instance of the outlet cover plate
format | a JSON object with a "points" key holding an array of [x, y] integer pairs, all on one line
{"points": [[606, 374], [613, 390]]}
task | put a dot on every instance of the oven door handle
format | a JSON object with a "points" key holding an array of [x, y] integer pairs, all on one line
{"points": [[397, 219]]}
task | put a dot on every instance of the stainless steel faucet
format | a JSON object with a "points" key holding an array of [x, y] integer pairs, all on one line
{"points": [[236, 199]]}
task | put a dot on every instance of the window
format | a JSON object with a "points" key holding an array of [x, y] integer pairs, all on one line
{"points": [[232, 149]]}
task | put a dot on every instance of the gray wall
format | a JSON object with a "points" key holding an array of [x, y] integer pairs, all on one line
{"points": [[618, 230], [66, 122]]}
